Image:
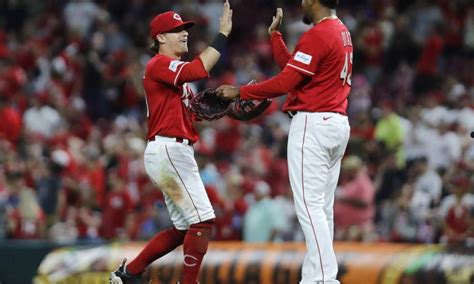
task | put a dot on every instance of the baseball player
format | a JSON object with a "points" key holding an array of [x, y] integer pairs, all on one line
{"points": [[169, 155], [317, 77]]}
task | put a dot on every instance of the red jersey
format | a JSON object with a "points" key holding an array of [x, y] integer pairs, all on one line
{"points": [[11, 126], [167, 98], [325, 54], [428, 62], [117, 206]]}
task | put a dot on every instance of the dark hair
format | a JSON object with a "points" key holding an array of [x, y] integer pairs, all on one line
{"points": [[155, 47], [331, 4]]}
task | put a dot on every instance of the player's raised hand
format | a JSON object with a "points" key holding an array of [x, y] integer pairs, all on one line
{"points": [[226, 19], [276, 23]]}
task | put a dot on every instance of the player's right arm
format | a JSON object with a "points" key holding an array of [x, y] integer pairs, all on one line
{"points": [[280, 51], [200, 67], [211, 54], [288, 80]]}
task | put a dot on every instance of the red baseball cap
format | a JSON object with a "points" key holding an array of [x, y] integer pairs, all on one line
{"points": [[167, 21]]}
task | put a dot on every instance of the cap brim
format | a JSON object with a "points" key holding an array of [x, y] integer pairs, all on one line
{"points": [[186, 26]]}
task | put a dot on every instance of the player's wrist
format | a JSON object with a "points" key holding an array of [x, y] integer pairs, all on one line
{"points": [[219, 42]]}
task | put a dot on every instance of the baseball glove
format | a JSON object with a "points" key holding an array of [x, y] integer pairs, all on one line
{"points": [[247, 109], [207, 105]]}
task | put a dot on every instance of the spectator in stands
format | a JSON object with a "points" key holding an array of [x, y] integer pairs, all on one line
{"points": [[402, 225], [117, 206], [402, 48], [354, 202], [41, 120], [370, 43], [47, 181], [450, 145], [10, 128], [389, 131], [425, 14], [262, 222], [455, 212], [389, 180], [427, 77], [426, 190], [81, 14], [292, 230], [63, 232], [26, 219]]}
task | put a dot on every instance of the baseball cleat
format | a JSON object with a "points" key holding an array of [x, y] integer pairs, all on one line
{"points": [[120, 276]]}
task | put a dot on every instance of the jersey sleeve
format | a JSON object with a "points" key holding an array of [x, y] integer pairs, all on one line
{"points": [[191, 72], [165, 70], [309, 51], [276, 86], [279, 49]]}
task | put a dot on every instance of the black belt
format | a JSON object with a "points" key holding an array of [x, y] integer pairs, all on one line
{"points": [[176, 139], [291, 113], [181, 140]]}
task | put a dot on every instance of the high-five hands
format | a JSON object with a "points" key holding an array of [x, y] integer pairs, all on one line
{"points": [[276, 23], [226, 19]]}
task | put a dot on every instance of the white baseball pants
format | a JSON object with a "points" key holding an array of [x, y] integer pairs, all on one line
{"points": [[172, 167], [316, 144]]}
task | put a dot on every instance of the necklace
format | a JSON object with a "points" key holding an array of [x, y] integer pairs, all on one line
{"points": [[327, 18]]}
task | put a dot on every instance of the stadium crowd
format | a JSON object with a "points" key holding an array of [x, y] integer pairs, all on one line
{"points": [[72, 122]]}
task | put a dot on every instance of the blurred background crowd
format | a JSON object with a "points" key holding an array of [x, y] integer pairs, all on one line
{"points": [[73, 125]]}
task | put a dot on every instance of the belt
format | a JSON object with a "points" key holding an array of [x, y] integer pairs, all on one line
{"points": [[292, 113], [170, 139]]}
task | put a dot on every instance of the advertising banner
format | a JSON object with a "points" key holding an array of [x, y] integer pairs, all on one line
{"points": [[242, 263]]}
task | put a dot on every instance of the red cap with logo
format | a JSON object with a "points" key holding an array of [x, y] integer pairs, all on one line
{"points": [[166, 22]]}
